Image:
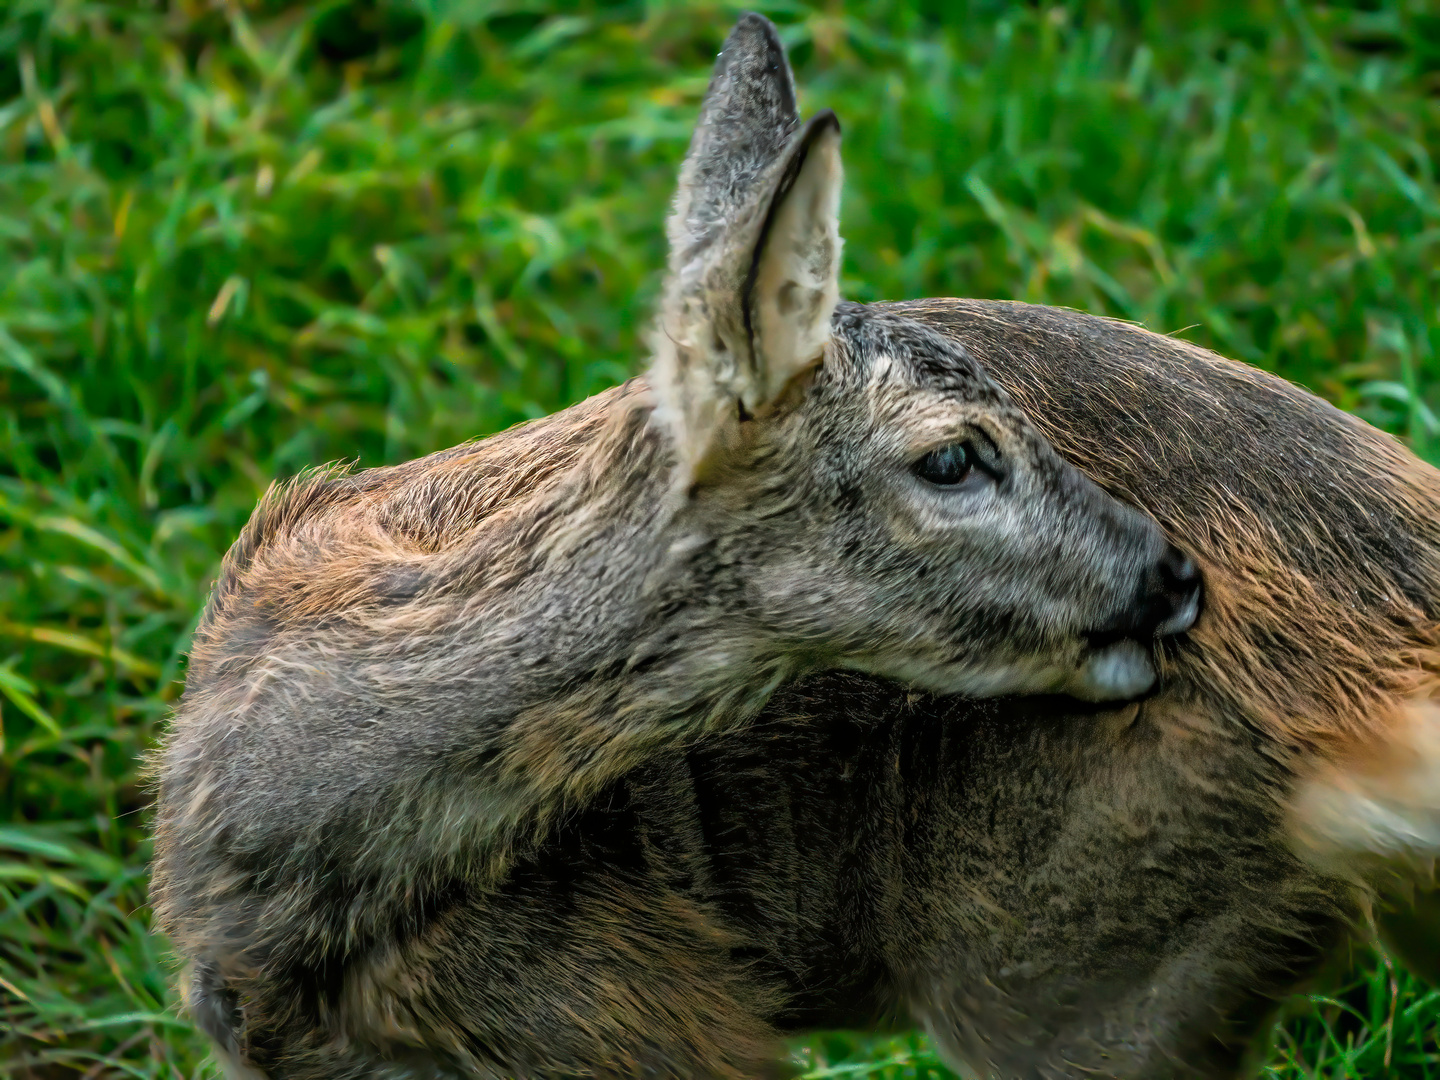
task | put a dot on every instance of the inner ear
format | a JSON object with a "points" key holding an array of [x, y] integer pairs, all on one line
{"points": [[789, 398], [793, 283], [747, 312], [792, 394]]}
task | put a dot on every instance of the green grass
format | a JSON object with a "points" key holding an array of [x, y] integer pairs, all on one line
{"points": [[239, 238]]}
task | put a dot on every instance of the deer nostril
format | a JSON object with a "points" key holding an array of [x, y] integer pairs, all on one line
{"points": [[1177, 600], [1178, 572], [1166, 601]]}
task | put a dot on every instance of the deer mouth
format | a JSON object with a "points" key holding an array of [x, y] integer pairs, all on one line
{"points": [[1118, 671], [1120, 663]]}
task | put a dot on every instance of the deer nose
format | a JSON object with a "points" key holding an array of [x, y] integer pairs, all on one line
{"points": [[1166, 601], [1170, 601]]}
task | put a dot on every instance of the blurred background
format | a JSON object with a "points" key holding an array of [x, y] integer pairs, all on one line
{"points": [[243, 237]]}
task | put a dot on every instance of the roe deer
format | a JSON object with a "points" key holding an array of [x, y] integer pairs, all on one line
{"points": [[409, 680]]}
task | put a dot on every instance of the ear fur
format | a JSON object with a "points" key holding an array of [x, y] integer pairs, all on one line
{"points": [[746, 120], [755, 250]]}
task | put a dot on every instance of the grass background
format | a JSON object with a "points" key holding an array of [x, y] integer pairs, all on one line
{"points": [[239, 237]]}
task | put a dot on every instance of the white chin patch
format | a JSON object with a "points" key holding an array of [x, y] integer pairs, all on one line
{"points": [[1115, 673], [1119, 672]]}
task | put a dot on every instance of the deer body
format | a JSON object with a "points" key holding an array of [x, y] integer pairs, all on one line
{"points": [[406, 677], [572, 751]]}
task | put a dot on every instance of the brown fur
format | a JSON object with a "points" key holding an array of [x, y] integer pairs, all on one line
{"points": [[863, 854], [1320, 534], [468, 779]]}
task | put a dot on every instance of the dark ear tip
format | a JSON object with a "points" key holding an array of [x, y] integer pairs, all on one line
{"points": [[825, 119], [754, 34], [754, 22]]}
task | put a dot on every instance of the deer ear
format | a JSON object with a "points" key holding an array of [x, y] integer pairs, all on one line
{"points": [[755, 250], [746, 121]]}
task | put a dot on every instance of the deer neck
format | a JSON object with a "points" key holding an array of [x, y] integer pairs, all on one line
{"points": [[605, 625]]}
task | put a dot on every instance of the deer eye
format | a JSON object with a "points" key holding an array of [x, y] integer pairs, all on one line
{"points": [[946, 466]]}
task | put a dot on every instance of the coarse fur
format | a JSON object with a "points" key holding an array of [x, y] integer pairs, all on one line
{"points": [[408, 678], [628, 879], [1210, 848]]}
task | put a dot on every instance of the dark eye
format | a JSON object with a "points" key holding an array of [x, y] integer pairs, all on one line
{"points": [[947, 465]]}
